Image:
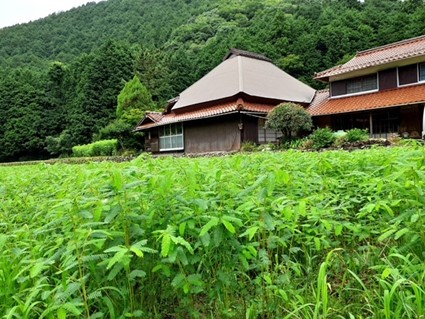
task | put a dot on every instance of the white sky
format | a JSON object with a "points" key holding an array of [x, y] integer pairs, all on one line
{"points": [[20, 11]]}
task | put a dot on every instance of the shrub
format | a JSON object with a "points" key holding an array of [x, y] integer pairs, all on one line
{"points": [[105, 147], [357, 135], [99, 148], [249, 147], [293, 144], [82, 150], [289, 118], [322, 137]]}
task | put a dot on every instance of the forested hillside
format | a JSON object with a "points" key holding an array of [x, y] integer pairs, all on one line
{"points": [[60, 76]]}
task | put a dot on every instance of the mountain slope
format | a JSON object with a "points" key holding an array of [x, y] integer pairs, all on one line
{"points": [[66, 35]]}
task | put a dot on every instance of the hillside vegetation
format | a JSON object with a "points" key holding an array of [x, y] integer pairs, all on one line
{"points": [[60, 76], [266, 235]]}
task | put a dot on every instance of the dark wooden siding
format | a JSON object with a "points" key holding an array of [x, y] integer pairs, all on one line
{"points": [[250, 129], [217, 134], [152, 140], [388, 79], [408, 74], [322, 121], [411, 120]]}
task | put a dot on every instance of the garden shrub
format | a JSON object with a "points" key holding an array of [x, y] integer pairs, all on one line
{"points": [[357, 135], [289, 118], [322, 137], [249, 147], [99, 148]]}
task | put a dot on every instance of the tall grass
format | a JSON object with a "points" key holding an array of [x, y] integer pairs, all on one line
{"points": [[270, 235]]}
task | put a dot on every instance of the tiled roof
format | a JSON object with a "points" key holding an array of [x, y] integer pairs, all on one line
{"points": [[323, 105], [210, 111], [381, 55], [155, 116]]}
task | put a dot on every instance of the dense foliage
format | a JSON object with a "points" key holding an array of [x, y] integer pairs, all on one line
{"points": [[98, 148], [60, 76], [265, 235], [290, 119]]}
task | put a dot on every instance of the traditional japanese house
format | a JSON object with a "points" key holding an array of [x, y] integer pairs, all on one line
{"points": [[225, 108], [381, 89]]}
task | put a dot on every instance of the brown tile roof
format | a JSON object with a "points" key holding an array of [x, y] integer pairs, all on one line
{"points": [[323, 105], [381, 55], [155, 116], [206, 112]]}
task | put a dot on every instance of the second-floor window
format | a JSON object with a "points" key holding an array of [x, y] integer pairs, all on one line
{"points": [[422, 72], [362, 84]]}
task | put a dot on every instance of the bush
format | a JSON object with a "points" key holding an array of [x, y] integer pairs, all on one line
{"points": [[357, 135], [293, 144], [249, 147], [322, 137], [289, 118], [99, 148]]}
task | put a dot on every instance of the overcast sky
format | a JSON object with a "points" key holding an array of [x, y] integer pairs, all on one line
{"points": [[20, 11]]}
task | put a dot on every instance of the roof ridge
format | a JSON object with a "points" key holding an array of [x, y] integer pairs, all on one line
{"points": [[247, 54], [390, 45]]}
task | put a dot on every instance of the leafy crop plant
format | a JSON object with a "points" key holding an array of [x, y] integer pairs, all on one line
{"points": [[264, 235]]}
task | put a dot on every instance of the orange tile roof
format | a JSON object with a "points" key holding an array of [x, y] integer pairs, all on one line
{"points": [[323, 105], [381, 55], [206, 112]]}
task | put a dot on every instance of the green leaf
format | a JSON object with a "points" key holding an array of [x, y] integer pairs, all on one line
{"points": [[317, 243], [250, 232], [201, 203], [178, 280], [401, 232], [228, 226], [212, 223], [414, 218], [117, 258], [61, 313], [165, 245], [137, 251], [386, 273], [387, 234], [37, 269], [137, 273], [182, 228], [181, 241]]}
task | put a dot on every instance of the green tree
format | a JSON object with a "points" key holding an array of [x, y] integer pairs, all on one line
{"points": [[132, 103], [134, 95], [98, 79], [289, 118]]}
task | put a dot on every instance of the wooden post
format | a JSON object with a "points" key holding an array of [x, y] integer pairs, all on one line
{"points": [[370, 125]]}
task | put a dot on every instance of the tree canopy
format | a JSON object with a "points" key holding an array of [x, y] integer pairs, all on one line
{"points": [[290, 119]]}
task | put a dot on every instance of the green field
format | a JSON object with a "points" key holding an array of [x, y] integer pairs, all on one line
{"points": [[262, 235]]}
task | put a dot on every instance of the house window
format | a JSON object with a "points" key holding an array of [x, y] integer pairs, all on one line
{"points": [[408, 74], [362, 84], [266, 135], [422, 72], [171, 137]]}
